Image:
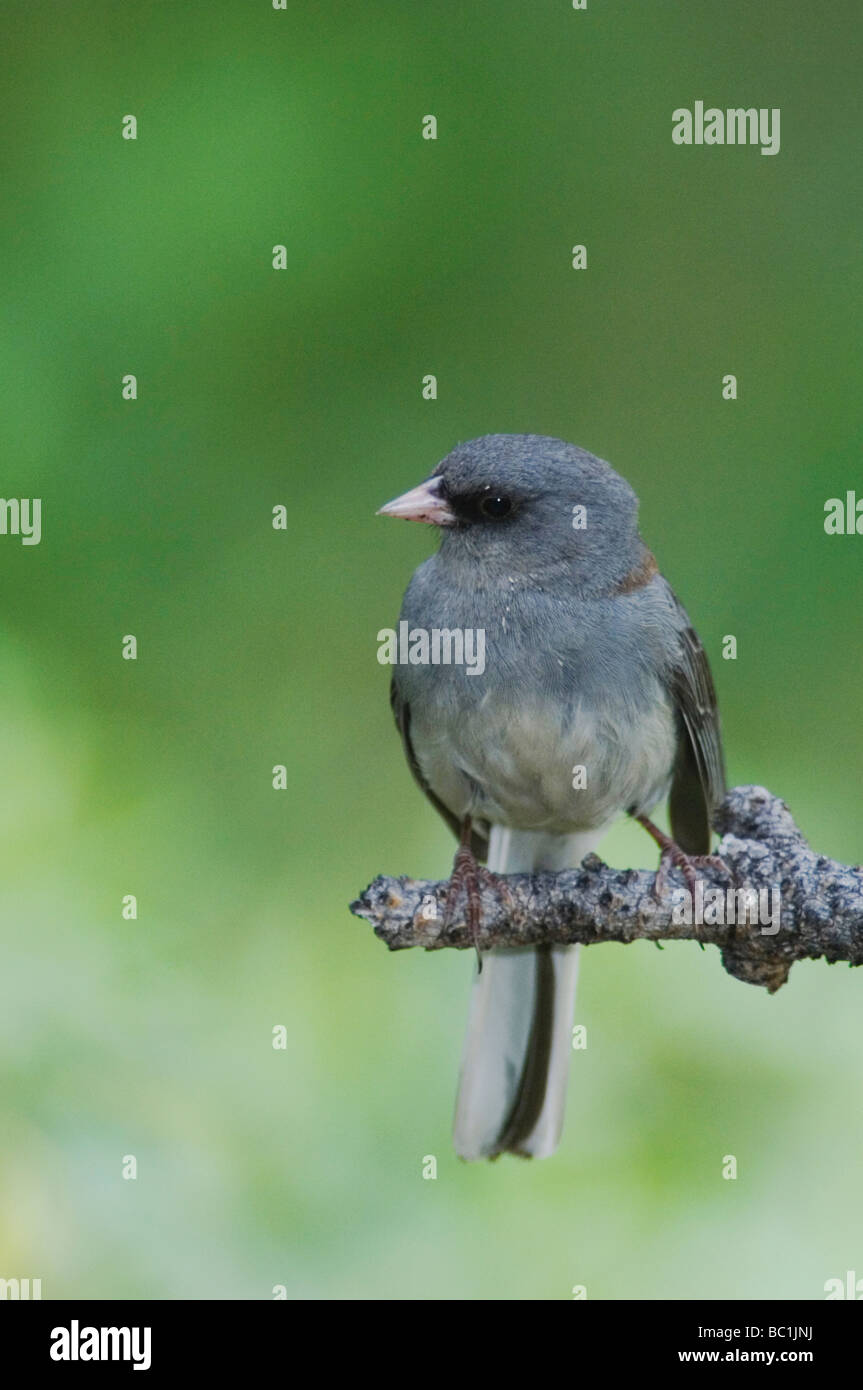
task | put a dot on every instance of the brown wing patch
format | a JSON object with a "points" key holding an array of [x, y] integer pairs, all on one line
{"points": [[642, 574]]}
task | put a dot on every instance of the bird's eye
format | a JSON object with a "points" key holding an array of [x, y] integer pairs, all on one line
{"points": [[495, 507]]}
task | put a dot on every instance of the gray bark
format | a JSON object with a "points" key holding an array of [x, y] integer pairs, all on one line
{"points": [[820, 902]]}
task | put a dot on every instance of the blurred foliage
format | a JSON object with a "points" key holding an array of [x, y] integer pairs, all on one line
{"points": [[303, 1167]]}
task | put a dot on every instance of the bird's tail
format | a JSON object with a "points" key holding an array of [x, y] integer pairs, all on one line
{"points": [[515, 1063]]}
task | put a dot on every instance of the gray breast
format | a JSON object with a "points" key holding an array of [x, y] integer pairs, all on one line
{"points": [[567, 723]]}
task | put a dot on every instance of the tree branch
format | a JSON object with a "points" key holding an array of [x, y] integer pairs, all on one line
{"points": [[809, 906]]}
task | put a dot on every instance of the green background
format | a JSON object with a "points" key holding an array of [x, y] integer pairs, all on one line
{"points": [[153, 1038]]}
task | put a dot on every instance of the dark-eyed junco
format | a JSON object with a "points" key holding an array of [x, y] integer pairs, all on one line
{"points": [[593, 697]]}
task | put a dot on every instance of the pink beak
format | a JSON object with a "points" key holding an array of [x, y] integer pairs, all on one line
{"points": [[423, 503]]}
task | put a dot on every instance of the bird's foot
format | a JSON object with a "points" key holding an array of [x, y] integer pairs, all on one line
{"points": [[673, 857], [470, 877]]}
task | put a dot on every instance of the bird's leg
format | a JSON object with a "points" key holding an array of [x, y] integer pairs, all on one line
{"points": [[672, 854], [469, 875]]}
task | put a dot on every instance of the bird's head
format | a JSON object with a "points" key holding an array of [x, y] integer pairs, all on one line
{"points": [[526, 504]]}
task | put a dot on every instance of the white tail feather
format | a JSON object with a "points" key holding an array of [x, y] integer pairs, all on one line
{"points": [[501, 1017]]}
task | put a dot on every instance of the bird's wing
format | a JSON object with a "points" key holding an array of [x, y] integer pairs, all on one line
{"points": [[698, 782], [402, 712]]}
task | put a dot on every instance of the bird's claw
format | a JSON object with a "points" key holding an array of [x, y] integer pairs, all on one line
{"points": [[470, 877], [673, 857]]}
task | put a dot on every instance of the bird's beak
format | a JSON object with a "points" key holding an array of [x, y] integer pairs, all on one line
{"points": [[423, 503]]}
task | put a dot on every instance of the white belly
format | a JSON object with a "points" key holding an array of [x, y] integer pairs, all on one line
{"points": [[538, 768]]}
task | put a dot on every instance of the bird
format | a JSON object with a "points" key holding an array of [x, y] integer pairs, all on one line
{"points": [[595, 701]]}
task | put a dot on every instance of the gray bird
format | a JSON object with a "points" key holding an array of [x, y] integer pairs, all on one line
{"points": [[590, 664]]}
